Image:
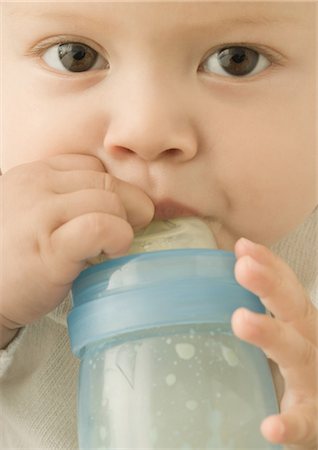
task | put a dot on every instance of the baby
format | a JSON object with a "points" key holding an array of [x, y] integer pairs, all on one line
{"points": [[116, 113]]}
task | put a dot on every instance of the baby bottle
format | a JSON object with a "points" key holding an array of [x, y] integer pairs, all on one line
{"points": [[160, 366]]}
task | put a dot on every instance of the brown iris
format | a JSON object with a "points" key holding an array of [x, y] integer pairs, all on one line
{"points": [[238, 61], [77, 57]]}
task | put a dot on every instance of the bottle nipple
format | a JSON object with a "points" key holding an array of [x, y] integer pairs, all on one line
{"points": [[181, 232]]}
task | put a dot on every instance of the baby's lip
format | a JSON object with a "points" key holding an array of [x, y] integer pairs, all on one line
{"points": [[169, 209]]}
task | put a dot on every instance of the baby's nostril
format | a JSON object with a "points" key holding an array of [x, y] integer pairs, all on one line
{"points": [[147, 153], [120, 151], [173, 151], [127, 150]]}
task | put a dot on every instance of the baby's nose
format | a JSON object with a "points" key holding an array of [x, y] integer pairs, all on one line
{"points": [[150, 124]]}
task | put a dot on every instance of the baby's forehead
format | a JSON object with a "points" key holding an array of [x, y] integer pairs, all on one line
{"points": [[76, 2], [257, 6], [189, 12]]}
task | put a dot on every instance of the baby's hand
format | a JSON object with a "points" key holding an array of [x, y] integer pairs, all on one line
{"points": [[289, 339], [56, 214]]}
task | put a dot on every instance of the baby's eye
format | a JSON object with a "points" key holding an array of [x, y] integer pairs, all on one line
{"points": [[235, 61], [74, 57]]}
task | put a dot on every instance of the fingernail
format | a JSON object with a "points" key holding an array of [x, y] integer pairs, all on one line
{"points": [[253, 264], [247, 243], [250, 317]]}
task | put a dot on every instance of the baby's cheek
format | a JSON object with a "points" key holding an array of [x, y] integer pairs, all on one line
{"points": [[265, 206]]}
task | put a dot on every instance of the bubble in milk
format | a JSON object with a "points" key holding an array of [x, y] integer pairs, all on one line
{"points": [[171, 379], [229, 356], [191, 405], [185, 350]]}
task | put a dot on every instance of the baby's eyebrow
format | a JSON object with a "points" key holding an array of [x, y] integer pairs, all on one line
{"points": [[260, 20], [50, 14]]}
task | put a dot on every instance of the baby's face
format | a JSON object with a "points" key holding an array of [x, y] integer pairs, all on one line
{"points": [[210, 105]]}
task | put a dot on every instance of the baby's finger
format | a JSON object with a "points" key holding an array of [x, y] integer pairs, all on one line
{"points": [[87, 236], [297, 426], [70, 161], [270, 278], [295, 355], [66, 181], [138, 206], [68, 206]]}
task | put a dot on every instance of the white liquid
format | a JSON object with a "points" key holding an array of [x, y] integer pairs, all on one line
{"points": [[190, 391]]}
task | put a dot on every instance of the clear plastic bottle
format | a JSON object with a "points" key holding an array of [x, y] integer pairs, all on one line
{"points": [[160, 366]]}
